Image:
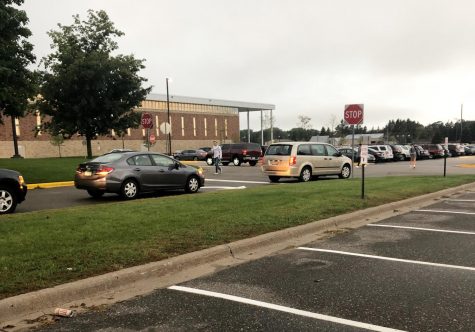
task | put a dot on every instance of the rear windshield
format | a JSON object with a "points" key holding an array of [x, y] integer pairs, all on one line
{"points": [[279, 150], [108, 158]]}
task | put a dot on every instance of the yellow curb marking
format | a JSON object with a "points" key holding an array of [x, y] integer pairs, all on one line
{"points": [[466, 165], [32, 186]]}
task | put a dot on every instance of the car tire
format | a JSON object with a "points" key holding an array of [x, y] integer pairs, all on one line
{"points": [[95, 193], [345, 172], [129, 189], [274, 179], [192, 185], [195, 158], [209, 161], [253, 163], [305, 174], [236, 161], [8, 200]]}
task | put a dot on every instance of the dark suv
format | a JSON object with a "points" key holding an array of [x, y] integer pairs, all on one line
{"points": [[12, 190], [238, 153]]}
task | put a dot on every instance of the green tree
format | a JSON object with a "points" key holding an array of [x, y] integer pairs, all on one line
{"points": [[16, 81], [57, 140], [85, 89]]}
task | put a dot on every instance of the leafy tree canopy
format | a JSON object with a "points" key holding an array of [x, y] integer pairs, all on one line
{"points": [[85, 89], [16, 81]]}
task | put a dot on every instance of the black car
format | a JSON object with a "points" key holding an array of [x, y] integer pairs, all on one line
{"points": [[238, 153], [349, 153], [12, 190], [190, 155], [131, 173]]}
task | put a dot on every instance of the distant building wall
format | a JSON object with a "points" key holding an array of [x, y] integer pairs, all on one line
{"points": [[193, 126]]}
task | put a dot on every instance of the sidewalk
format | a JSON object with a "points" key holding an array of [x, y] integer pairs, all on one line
{"points": [[127, 283]]}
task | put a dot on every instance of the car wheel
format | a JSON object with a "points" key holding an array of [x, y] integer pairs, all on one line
{"points": [[130, 189], [236, 161], [8, 201], [209, 161], [273, 178], [195, 158], [305, 174], [95, 193], [345, 172], [192, 184], [253, 163]]}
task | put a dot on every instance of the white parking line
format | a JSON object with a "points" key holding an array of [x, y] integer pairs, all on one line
{"points": [[445, 211], [460, 200], [284, 309], [236, 181], [223, 187], [389, 258], [421, 229]]}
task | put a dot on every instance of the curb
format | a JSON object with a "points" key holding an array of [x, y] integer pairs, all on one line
{"points": [[50, 185], [127, 283]]}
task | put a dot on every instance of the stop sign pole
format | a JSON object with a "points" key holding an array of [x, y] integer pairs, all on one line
{"points": [[353, 115]]}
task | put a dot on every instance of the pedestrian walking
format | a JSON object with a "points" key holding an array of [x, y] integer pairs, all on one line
{"points": [[413, 153], [217, 155]]}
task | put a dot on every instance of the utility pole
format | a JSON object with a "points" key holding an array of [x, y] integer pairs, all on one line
{"points": [[461, 119]]}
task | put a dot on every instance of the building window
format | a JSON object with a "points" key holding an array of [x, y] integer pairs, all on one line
{"points": [[38, 123], [225, 128], [157, 125], [182, 126], [112, 132], [17, 127], [194, 126], [216, 127], [143, 132], [128, 131], [206, 128]]}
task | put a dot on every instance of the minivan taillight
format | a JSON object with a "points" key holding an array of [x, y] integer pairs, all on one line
{"points": [[293, 160], [104, 170]]}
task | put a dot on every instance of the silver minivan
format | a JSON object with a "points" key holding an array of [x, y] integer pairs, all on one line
{"points": [[304, 160]]}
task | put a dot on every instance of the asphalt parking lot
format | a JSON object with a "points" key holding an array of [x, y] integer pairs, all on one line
{"points": [[412, 272]]}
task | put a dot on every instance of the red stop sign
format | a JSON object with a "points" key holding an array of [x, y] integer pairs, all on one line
{"points": [[353, 114], [146, 121]]}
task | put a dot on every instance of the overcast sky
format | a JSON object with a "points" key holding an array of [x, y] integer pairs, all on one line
{"points": [[400, 58]]}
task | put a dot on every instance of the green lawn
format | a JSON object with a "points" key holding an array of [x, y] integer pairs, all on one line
{"points": [[42, 170], [46, 248]]}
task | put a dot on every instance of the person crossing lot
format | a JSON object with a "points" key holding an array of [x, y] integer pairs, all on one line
{"points": [[217, 155]]}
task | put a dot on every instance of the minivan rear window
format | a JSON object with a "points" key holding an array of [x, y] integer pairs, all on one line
{"points": [[279, 150]]}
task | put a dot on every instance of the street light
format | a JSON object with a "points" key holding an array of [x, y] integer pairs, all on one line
{"points": [[169, 121]]}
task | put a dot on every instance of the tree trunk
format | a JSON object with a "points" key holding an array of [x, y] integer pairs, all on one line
{"points": [[15, 139], [89, 147]]}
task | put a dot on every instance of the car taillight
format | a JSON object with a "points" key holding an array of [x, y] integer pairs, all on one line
{"points": [[104, 170], [293, 160], [244, 152]]}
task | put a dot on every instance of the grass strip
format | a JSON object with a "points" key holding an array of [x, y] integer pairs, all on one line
{"points": [[47, 248], [40, 170]]}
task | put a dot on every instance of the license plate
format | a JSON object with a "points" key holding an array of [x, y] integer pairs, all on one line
{"points": [[87, 173]]}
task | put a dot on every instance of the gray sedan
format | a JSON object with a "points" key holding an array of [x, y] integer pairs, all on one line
{"points": [[131, 173]]}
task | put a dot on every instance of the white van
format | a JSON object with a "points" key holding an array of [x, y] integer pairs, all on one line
{"points": [[385, 150], [304, 160]]}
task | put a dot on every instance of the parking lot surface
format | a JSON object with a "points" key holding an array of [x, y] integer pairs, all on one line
{"points": [[412, 272]]}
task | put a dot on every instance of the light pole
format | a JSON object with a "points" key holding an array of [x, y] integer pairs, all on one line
{"points": [[169, 122]]}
